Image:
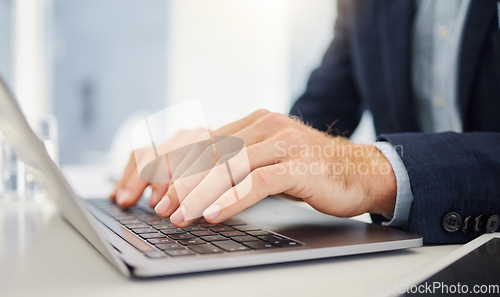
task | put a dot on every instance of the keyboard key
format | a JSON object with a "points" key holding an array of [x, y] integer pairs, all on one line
{"points": [[160, 240], [244, 238], [114, 211], [285, 243], [118, 212], [181, 236], [154, 220], [144, 230], [258, 232], [176, 253], [203, 233], [137, 210], [134, 221], [232, 233], [120, 216], [209, 225], [221, 229], [154, 254], [205, 249], [137, 226], [271, 237], [279, 240], [191, 241], [145, 215], [164, 226], [230, 246], [145, 207], [101, 202], [111, 208], [148, 220], [169, 246], [246, 228], [152, 235], [194, 228], [172, 231], [233, 222], [260, 245], [214, 238], [106, 205]]}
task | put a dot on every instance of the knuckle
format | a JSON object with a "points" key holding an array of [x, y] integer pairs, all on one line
{"points": [[292, 135], [205, 161], [227, 157], [195, 197], [260, 113], [262, 178], [180, 186], [199, 146], [304, 191], [275, 118]]}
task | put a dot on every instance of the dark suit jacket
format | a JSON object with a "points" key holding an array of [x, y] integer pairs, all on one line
{"points": [[368, 66]]}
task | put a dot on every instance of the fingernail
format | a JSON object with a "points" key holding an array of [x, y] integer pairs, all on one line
{"points": [[179, 215], [212, 212], [162, 206]]}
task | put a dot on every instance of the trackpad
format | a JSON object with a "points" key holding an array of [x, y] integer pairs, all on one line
{"points": [[314, 228]]}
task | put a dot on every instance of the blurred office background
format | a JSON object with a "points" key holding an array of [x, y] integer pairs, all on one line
{"points": [[100, 64]]}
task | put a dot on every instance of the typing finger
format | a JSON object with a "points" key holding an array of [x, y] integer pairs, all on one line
{"points": [[158, 190], [177, 192], [262, 182], [130, 187], [213, 185]]}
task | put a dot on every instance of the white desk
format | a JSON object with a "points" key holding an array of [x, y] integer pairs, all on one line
{"points": [[41, 255]]}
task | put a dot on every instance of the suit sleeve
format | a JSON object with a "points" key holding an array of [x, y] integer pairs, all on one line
{"points": [[404, 197], [331, 102], [449, 172]]}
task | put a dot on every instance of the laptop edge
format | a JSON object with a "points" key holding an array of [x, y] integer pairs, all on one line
{"points": [[32, 151]]}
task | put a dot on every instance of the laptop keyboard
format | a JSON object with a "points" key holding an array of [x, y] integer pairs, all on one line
{"points": [[199, 238]]}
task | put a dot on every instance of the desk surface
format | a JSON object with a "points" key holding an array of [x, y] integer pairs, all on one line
{"points": [[41, 255]]}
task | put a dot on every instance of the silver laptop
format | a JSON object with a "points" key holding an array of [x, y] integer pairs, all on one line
{"points": [[141, 244]]}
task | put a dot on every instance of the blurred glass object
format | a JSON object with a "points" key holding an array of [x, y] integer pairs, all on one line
{"points": [[17, 184], [46, 128], [8, 170]]}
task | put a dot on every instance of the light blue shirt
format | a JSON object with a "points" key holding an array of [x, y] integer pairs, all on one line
{"points": [[437, 33]]}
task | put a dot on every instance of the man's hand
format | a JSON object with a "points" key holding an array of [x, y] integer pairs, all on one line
{"points": [[332, 174], [128, 190]]}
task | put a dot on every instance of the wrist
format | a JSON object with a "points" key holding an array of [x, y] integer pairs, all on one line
{"points": [[367, 174], [380, 184]]}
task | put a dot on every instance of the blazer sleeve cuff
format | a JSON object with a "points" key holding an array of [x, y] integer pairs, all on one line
{"points": [[404, 196]]}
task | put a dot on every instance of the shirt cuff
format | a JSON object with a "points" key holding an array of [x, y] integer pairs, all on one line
{"points": [[404, 196]]}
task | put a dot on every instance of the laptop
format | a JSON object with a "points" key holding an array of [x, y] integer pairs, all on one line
{"points": [[141, 244]]}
